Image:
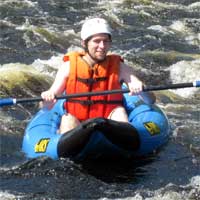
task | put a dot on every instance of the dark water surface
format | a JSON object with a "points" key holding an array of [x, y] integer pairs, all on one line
{"points": [[161, 39]]}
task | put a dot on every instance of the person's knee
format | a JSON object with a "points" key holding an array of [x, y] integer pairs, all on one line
{"points": [[68, 122], [119, 114]]}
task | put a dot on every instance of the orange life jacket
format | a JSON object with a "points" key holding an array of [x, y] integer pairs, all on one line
{"points": [[83, 78]]}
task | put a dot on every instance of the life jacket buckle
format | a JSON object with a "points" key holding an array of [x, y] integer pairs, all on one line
{"points": [[87, 102]]}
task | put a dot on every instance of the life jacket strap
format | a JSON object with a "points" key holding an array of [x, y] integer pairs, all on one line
{"points": [[91, 102], [91, 80]]}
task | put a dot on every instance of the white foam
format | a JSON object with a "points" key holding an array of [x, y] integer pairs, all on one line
{"points": [[161, 29], [44, 65], [178, 26], [185, 71], [195, 5], [5, 195]]}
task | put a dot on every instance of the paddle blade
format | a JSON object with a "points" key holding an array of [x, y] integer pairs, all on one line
{"points": [[7, 101], [196, 83]]}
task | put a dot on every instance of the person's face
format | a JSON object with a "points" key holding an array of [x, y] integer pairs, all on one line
{"points": [[98, 46]]}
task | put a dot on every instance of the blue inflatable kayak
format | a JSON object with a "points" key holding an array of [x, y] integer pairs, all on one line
{"points": [[147, 131]]}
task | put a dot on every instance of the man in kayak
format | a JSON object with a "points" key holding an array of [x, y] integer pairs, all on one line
{"points": [[94, 69]]}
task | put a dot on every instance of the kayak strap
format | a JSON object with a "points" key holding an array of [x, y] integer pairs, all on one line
{"points": [[122, 134], [92, 102]]}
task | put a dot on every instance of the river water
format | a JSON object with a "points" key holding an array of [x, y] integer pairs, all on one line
{"points": [[160, 39]]}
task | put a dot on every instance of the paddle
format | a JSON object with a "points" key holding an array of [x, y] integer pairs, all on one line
{"points": [[13, 101]]}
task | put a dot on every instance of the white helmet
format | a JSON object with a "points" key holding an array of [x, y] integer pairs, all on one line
{"points": [[94, 26]]}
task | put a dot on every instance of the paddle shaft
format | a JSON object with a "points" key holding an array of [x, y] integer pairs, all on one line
{"points": [[11, 101]]}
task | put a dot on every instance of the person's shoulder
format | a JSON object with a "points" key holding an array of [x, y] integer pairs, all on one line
{"points": [[73, 54], [124, 65], [64, 67], [115, 57], [113, 54]]}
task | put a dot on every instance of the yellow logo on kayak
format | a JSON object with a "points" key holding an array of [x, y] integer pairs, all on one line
{"points": [[152, 128], [41, 146]]}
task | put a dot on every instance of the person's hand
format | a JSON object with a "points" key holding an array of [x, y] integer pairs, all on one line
{"points": [[48, 99], [135, 86], [48, 95]]}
